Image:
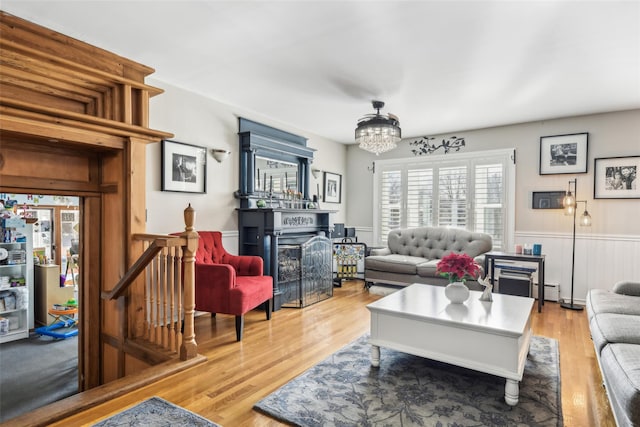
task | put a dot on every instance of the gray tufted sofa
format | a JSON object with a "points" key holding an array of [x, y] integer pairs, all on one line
{"points": [[614, 321], [413, 254]]}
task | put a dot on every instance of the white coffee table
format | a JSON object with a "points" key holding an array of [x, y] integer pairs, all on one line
{"points": [[491, 337]]}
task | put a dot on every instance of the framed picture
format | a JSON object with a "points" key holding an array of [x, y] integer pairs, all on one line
{"points": [[184, 167], [563, 154], [332, 188], [547, 199], [616, 178]]}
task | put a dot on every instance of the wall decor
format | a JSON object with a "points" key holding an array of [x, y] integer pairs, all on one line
{"points": [[547, 199], [332, 188], [427, 146], [616, 178], [563, 153], [184, 167]]}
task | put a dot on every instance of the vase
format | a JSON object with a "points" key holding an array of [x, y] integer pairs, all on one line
{"points": [[456, 292]]}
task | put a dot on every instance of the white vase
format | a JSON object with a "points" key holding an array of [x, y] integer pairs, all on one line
{"points": [[456, 292]]}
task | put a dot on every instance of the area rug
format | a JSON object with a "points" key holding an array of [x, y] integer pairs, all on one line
{"points": [[345, 390], [155, 412]]}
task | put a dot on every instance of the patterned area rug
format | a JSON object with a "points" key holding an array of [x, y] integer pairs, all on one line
{"points": [[156, 412], [345, 390]]}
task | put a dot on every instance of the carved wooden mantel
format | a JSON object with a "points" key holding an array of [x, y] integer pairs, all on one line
{"points": [[74, 121]]}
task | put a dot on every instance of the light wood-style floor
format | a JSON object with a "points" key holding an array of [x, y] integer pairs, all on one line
{"points": [[237, 375]]}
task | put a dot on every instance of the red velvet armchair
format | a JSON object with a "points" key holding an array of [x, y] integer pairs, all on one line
{"points": [[229, 284]]}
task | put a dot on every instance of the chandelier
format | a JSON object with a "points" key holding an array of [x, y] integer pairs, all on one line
{"points": [[377, 132]]}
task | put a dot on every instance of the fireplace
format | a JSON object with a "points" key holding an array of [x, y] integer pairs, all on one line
{"points": [[296, 250], [304, 272]]}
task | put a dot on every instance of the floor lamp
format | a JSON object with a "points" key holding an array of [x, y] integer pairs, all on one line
{"points": [[570, 207]]}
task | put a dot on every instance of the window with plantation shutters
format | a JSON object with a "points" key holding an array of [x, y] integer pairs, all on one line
{"points": [[461, 191], [390, 201]]}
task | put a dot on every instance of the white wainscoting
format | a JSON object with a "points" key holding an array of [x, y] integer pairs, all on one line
{"points": [[600, 260]]}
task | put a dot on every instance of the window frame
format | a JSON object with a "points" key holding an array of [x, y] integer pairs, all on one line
{"points": [[504, 156]]}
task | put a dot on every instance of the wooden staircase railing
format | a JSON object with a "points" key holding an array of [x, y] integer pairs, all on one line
{"points": [[160, 309]]}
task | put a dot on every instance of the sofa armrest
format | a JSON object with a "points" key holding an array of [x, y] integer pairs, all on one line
{"points": [[380, 251], [627, 287]]}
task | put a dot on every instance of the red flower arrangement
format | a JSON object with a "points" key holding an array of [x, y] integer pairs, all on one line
{"points": [[458, 267]]}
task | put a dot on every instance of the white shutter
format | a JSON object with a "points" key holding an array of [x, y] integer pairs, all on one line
{"points": [[390, 202], [452, 196], [419, 198], [489, 202]]}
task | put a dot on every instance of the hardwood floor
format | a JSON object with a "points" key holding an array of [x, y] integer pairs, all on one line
{"points": [[237, 375]]}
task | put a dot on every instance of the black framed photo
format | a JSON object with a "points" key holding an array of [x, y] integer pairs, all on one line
{"points": [[616, 178], [332, 188], [564, 153], [547, 199], [184, 167]]}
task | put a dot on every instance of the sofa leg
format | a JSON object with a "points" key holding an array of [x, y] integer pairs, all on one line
{"points": [[239, 327], [268, 308], [213, 315]]}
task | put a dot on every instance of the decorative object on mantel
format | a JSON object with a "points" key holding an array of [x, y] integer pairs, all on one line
{"points": [[570, 204], [219, 154], [377, 132], [426, 146], [457, 268], [486, 294]]}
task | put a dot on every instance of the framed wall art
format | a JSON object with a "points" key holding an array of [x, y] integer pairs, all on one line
{"points": [[563, 153], [332, 188], [616, 178], [547, 199], [184, 167]]}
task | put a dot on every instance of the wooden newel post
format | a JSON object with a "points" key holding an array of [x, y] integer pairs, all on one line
{"points": [[189, 347]]}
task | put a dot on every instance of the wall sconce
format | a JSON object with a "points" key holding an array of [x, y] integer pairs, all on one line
{"points": [[315, 173], [220, 155]]}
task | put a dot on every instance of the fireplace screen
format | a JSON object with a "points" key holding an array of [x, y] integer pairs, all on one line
{"points": [[304, 272]]}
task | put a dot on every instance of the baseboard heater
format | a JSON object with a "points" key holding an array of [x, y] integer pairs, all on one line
{"points": [[551, 291]]}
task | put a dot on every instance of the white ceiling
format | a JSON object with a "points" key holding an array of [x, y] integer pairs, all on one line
{"points": [[316, 65]]}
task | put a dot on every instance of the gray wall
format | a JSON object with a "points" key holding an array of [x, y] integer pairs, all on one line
{"points": [[610, 135]]}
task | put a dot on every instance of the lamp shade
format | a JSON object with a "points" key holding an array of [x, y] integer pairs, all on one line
{"points": [[377, 132], [585, 219]]}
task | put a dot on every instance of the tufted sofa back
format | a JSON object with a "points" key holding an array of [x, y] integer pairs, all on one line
{"points": [[436, 242], [210, 250]]}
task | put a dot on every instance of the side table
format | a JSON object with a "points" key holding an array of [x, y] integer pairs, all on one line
{"points": [[490, 262]]}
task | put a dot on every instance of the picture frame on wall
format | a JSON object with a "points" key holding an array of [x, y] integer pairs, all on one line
{"points": [[616, 178], [332, 192], [184, 167], [561, 154], [547, 199]]}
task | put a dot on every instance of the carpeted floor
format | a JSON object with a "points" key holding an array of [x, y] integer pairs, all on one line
{"points": [[36, 371], [412, 391], [156, 412]]}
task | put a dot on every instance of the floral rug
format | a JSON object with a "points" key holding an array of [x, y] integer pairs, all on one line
{"points": [[156, 412], [345, 390]]}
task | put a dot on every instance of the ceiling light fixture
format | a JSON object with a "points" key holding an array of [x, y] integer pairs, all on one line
{"points": [[377, 132]]}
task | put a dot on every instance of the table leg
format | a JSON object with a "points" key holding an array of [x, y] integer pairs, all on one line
{"points": [[375, 356], [511, 392]]}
